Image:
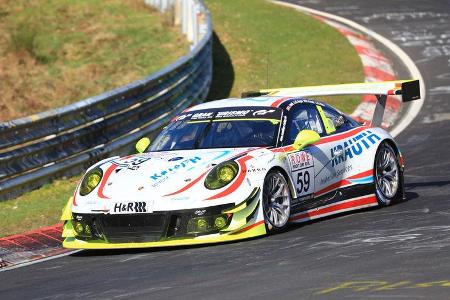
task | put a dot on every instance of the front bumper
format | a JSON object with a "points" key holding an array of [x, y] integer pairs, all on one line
{"points": [[161, 229], [256, 229]]}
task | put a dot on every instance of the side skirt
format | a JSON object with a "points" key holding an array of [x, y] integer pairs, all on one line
{"points": [[335, 208], [344, 199]]}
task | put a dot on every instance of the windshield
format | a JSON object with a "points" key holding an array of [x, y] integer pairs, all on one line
{"points": [[220, 128]]}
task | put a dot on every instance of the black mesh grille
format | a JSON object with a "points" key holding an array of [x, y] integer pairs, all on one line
{"points": [[132, 228]]}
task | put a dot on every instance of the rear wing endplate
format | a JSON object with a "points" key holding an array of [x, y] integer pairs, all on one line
{"points": [[408, 89]]}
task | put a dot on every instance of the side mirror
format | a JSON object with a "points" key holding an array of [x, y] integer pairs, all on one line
{"points": [[304, 138], [142, 145]]}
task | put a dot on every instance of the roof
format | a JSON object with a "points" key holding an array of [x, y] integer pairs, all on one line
{"points": [[264, 101]]}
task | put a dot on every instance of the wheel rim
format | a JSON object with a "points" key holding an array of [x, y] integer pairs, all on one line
{"points": [[387, 173], [276, 200]]}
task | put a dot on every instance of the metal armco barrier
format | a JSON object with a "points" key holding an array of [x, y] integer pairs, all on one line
{"points": [[61, 142]]}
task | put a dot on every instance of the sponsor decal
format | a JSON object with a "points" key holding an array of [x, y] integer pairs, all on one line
{"points": [[130, 163], [130, 207], [229, 113], [180, 198], [302, 167], [298, 101], [283, 128], [232, 113], [176, 158], [298, 200], [160, 181], [263, 112], [255, 170], [336, 174], [202, 116], [353, 147], [200, 212], [300, 160], [178, 166]]}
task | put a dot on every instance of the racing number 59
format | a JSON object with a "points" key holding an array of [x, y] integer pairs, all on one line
{"points": [[303, 180]]}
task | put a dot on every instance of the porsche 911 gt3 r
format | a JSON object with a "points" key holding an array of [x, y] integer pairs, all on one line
{"points": [[238, 168]]}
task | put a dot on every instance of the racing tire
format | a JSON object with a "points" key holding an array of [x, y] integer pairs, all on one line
{"points": [[387, 175], [276, 201]]}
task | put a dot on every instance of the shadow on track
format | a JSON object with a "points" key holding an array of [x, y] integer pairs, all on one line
{"points": [[111, 252], [223, 72], [412, 185]]}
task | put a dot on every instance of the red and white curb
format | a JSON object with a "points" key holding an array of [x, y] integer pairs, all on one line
{"points": [[35, 245]]}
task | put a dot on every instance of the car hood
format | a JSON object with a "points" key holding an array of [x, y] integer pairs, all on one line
{"points": [[164, 177]]}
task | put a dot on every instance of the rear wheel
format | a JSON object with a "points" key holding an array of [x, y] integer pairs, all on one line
{"points": [[276, 201], [387, 175]]}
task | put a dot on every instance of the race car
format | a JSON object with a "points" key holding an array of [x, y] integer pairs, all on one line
{"points": [[239, 168]]}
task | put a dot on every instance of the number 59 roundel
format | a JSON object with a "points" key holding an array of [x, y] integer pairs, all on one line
{"points": [[301, 165]]}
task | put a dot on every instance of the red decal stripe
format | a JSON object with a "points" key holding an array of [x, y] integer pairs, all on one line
{"points": [[74, 202], [188, 186], [331, 187], [343, 182], [277, 102], [104, 180], [237, 182], [340, 136], [338, 206], [362, 174], [249, 227]]}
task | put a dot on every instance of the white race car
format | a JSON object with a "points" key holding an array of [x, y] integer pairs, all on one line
{"points": [[239, 168]]}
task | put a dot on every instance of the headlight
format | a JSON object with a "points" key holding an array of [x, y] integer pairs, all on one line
{"points": [[221, 175], [90, 181]]}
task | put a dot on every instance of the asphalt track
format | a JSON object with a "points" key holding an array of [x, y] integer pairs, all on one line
{"points": [[402, 251]]}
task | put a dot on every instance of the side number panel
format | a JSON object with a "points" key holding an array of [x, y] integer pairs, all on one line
{"points": [[301, 165]]}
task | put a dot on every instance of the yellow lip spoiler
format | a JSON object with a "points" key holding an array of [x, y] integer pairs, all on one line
{"points": [[408, 89]]}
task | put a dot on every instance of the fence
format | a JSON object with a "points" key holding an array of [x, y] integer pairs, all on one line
{"points": [[61, 142]]}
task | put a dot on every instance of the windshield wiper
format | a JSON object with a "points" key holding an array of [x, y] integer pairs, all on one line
{"points": [[202, 135]]}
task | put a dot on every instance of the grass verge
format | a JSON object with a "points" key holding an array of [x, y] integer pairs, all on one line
{"points": [[54, 52], [299, 50]]}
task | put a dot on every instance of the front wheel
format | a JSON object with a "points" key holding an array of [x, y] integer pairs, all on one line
{"points": [[387, 175], [276, 202]]}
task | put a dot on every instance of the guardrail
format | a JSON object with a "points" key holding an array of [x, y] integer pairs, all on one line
{"points": [[62, 142]]}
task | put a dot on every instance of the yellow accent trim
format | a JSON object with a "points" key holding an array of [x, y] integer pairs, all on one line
{"points": [[142, 144], [68, 230], [239, 219], [67, 211], [73, 243], [304, 138], [337, 89], [329, 126], [241, 205]]}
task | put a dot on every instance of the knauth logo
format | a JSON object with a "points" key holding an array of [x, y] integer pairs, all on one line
{"points": [[181, 165], [353, 147]]}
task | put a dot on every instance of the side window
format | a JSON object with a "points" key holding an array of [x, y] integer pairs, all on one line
{"points": [[340, 121], [303, 116]]}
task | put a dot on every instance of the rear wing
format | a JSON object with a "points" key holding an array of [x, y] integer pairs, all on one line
{"points": [[408, 89]]}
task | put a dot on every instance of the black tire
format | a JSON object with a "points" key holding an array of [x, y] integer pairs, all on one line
{"points": [[387, 175], [276, 202]]}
